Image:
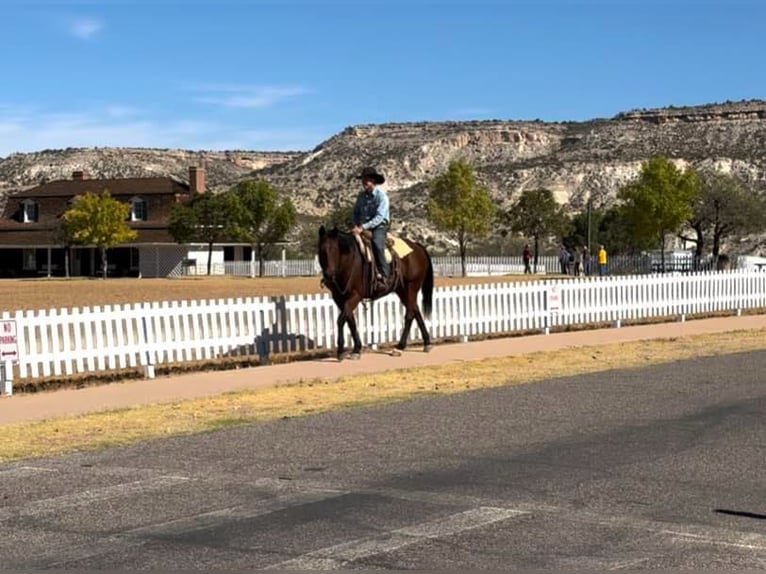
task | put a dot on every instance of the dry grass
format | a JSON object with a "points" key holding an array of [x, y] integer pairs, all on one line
{"points": [[80, 292], [308, 397]]}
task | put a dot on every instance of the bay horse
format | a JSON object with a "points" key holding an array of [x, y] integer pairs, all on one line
{"points": [[347, 274]]}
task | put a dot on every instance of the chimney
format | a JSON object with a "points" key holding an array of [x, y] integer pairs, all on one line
{"points": [[197, 179], [80, 175]]}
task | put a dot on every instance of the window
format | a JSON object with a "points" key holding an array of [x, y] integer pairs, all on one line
{"points": [[29, 257], [29, 211], [138, 211]]}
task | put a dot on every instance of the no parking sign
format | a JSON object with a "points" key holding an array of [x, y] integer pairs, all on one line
{"points": [[9, 345], [554, 299]]}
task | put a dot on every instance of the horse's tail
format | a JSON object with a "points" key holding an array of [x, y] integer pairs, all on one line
{"points": [[428, 287]]}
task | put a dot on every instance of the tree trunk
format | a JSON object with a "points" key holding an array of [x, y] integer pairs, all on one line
{"points": [[261, 262], [462, 259], [662, 252], [537, 244], [209, 257], [699, 248], [717, 235], [104, 265], [461, 246]]}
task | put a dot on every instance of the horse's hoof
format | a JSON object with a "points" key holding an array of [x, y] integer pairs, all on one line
{"points": [[427, 348], [341, 356], [355, 356], [396, 353]]}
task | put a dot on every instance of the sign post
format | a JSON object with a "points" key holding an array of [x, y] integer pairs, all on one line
{"points": [[9, 354]]}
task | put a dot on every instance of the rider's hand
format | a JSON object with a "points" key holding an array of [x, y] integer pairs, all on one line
{"points": [[356, 230]]}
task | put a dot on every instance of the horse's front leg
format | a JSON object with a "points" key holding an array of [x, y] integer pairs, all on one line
{"points": [[349, 309], [341, 341]]}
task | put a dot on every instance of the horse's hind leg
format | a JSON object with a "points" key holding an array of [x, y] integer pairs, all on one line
{"points": [[410, 303], [423, 330]]}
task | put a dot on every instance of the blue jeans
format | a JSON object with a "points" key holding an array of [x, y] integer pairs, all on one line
{"points": [[379, 247]]}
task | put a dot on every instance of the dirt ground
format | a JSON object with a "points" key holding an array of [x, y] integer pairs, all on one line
{"points": [[16, 294]]}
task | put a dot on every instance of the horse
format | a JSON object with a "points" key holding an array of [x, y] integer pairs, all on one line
{"points": [[347, 274]]}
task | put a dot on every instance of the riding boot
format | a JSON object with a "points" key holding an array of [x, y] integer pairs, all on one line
{"points": [[381, 285]]}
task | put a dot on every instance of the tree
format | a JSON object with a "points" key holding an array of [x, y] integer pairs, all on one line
{"points": [[536, 214], [100, 220], [659, 202], [262, 218], [460, 206], [208, 218], [723, 206]]}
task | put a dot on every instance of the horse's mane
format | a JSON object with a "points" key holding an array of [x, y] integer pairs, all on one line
{"points": [[345, 239]]}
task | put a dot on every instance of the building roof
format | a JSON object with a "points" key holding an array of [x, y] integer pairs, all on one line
{"points": [[126, 186]]}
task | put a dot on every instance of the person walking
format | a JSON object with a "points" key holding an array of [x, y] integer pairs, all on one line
{"points": [[526, 256], [602, 261]]}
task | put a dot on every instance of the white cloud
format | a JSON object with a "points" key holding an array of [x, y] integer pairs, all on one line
{"points": [[232, 96], [32, 130], [85, 28]]}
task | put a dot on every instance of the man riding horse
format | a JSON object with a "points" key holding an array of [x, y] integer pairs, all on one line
{"points": [[371, 213]]}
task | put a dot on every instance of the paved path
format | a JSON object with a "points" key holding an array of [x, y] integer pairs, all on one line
{"points": [[45, 405]]}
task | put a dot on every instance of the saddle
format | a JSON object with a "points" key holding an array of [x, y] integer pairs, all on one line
{"points": [[396, 249]]}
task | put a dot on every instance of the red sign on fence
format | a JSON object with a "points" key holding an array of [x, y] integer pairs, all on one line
{"points": [[9, 345]]}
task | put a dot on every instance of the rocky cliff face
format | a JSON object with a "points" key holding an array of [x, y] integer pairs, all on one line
{"points": [[223, 168], [576, 160]]}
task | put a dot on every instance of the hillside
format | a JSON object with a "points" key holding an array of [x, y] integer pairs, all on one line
{"points": [[574, 159]]}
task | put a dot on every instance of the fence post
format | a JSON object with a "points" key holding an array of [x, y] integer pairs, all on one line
{"points": [[6, 377], [546, 310], [148, 353]]}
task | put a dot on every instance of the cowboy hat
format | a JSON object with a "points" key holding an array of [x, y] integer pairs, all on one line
{"points": [[372, 173]]}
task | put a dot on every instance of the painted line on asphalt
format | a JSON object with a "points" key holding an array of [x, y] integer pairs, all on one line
{"points": [[61, 556], [85, 497], [337, 556]]}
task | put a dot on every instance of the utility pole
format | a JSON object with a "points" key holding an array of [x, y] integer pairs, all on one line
{"points": [[590, 209]]}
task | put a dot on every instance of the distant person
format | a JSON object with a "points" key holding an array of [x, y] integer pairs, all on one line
{"points": [[527, 258], [563, 259], [602, 268], [571, 261], [587, 262], [577, 262]]}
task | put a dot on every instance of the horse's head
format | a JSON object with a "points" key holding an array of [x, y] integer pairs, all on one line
{"points": [[333, 250]]}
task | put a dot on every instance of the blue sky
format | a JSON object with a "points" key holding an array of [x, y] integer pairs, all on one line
{"points": [[284, 75]]}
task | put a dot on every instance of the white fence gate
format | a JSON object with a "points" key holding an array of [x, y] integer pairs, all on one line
{"points": [[65, 342]]}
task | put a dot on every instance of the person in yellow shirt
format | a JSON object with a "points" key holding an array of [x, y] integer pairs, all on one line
{"points": [[602, 261]]}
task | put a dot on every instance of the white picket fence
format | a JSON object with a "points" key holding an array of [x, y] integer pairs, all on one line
{"points": [[65, 342]]}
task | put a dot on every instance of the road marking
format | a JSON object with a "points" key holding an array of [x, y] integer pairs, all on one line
{"points": [[23, 471], [59, 557], [337, 556], [55, 504]]}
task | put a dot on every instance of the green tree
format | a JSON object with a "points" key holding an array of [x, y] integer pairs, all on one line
{"points": [[723, 206], [460, 206], [536, 214], [262, 218], [208, 218], [659, 202], [100, 220]]}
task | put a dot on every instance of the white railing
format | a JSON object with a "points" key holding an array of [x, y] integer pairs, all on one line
{"points": [[443, 266], [65, 342]]}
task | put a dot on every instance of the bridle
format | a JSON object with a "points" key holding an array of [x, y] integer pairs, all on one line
{"points": [[330, 280]]}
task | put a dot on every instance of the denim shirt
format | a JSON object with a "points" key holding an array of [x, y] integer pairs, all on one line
{"points": [[371, 209]]}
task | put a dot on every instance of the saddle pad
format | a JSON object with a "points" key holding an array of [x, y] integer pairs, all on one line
{"points": [[399, 246]]}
